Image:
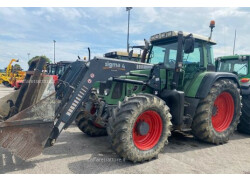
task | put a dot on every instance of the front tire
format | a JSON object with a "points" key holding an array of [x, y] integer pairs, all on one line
{"points": [[141, 127], [84, 122], [217, 115]]}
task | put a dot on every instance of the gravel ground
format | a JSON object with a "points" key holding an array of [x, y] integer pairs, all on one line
{"points": [[75, 152]]}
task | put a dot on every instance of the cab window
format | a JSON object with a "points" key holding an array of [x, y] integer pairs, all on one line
{"points": [[167, 54]]}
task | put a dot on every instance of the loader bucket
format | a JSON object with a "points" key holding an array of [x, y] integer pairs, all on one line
{"points": [[26, 133], [30, 118]]}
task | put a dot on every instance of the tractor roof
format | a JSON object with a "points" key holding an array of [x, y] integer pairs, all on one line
{"points": [[233, 57], [171, 34], [120, 53]]}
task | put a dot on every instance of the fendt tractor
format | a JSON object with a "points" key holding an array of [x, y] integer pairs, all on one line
{"points": [[177, 89], [239, 65]]}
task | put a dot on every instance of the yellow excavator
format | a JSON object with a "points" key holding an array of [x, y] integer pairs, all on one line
{"points": [[11, 75]]}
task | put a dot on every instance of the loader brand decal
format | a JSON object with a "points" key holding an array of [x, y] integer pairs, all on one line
{"points": [[116, 66], [143, 66], [77, 100]]}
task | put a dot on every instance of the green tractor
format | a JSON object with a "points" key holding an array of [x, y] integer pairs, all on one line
{"points": [[139, 103], [181, 92], [239, 65]]}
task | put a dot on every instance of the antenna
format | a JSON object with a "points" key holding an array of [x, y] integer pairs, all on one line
{"points": [[234, 41]]}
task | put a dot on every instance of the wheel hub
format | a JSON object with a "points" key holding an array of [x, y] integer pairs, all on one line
{"points": [[147, 130], [142, 128]]}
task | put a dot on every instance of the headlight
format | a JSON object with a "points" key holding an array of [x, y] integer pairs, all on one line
{"points": [[106, 92]]}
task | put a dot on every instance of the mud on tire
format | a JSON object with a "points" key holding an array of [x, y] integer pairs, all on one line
{"points": [[123, 129], [212, 123], [83, 121]]}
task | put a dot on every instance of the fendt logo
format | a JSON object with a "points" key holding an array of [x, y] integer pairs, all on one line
{"points": [[109, 65]]}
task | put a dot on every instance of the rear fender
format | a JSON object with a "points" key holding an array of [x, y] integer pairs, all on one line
{"points": [[210, 78]]}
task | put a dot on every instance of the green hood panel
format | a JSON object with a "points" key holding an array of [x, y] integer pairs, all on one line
{"points": [[192, 87]]}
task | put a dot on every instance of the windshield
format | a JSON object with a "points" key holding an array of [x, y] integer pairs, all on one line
{"points": [[166, 53], [233, 66]]}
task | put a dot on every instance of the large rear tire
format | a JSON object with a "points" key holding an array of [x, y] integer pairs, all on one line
{"points": [[244, 125], [217, 115], [140, 128], [84, 122]]}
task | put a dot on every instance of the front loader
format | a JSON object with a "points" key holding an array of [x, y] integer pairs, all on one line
{"points": [[176, 90], [33, 117]]}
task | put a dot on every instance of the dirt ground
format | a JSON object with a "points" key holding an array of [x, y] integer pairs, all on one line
{"points": [[75, 152]]}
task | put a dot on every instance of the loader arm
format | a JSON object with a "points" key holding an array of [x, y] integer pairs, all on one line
{"points": [[98, 69]]}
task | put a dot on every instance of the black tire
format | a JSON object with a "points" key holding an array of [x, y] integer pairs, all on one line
{"points": [[122, 133], [84, 123], [244, 125], [202, 126]]}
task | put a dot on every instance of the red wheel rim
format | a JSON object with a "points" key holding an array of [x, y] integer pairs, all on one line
{"points": [[223, 112], [148, 141], [93, 110]]}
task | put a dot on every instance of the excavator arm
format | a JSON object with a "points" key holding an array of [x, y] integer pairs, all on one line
{"points": [[9, 67]]}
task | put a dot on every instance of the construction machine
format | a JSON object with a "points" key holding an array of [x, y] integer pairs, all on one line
{"points": [[240, 66], [177, 89], [2, 73], [53, 70], [58, 68], [12, 75]]}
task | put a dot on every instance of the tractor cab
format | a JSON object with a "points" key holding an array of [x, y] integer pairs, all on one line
{"points": [[58, 69], [195, 57], [237, 64]]}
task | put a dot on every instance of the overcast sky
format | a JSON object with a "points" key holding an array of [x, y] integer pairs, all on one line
{"points": [[32, 30]]}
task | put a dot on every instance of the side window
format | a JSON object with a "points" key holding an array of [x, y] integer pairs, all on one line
{"points": [[157, 55], [210, 54], [194, 57], [241, 69], [172, 54]]}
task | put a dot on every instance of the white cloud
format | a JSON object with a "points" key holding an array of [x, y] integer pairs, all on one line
{"points": [[32, 30]]}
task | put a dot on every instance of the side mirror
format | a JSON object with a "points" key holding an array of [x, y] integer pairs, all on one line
{"points": [[189, 44]]}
